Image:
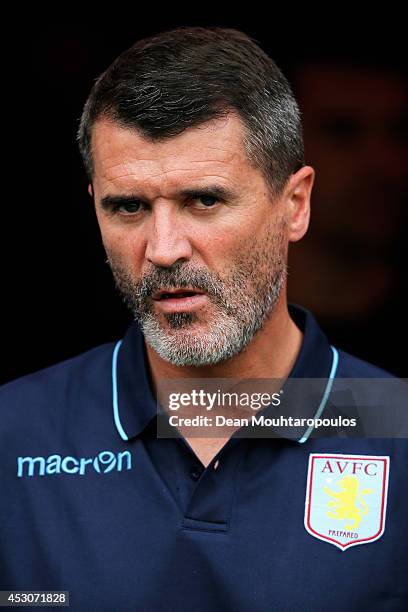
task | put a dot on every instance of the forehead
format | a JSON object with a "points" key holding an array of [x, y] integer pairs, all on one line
{"points": [[123, 156]]}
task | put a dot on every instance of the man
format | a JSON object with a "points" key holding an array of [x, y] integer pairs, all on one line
{"points": [[192, 144]]}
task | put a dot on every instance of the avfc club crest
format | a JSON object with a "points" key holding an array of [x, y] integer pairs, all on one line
{"points": [[346, 498]]}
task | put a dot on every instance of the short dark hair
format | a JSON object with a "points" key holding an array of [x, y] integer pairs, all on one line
{"points": [[182, 78]]}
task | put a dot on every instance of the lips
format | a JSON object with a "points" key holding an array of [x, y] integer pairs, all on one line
{"points": [[182, 292]]}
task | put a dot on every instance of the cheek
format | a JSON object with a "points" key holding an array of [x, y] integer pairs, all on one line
{"points": [[122, 247], [221, 249], [240, 229]]}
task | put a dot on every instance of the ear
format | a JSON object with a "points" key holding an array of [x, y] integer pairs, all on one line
{"points": [[298, 192], [90, 190]]}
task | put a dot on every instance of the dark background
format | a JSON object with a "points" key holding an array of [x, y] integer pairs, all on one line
{"points": [[57, 293]]}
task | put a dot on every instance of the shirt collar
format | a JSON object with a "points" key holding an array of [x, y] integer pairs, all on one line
{"points": [[134, 405]]}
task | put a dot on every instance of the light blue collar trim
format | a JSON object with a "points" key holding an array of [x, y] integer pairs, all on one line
{"points": [[326, 394], [115, 391], [303, 439]]}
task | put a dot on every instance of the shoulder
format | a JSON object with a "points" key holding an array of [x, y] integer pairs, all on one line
{"points": [[350, 366], [60, 372], [72, 381], [380, 398]]}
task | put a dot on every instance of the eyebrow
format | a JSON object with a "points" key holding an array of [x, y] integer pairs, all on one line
{"points": [[217, 191]]}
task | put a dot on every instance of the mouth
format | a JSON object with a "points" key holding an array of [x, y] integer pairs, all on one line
{"points": [[180, 299], [170, 294]]}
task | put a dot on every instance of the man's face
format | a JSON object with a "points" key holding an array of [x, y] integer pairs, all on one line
{"points": [[196, 244]]}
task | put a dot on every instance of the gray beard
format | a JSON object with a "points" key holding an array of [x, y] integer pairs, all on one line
{"points": [[240, 303]]}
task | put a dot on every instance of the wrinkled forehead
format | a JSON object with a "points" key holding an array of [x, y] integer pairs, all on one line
{"points": [[215, 149]]}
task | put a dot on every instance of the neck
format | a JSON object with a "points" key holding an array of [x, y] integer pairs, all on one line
{"points": [[271, 354]]}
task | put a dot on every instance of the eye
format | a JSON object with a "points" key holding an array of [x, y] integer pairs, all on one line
{"points": [[206, 201], [128, 208]]}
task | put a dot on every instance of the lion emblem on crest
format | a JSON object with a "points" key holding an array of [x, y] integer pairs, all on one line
{"points": [[348, 503]]}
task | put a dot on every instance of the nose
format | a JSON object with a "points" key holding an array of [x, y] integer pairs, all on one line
{"points": [[166, 241]]}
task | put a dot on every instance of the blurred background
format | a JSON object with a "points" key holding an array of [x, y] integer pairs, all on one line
{"points": [[58, 296]]}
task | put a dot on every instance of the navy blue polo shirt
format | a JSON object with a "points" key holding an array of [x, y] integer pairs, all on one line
{"points": [[93, 503]]}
